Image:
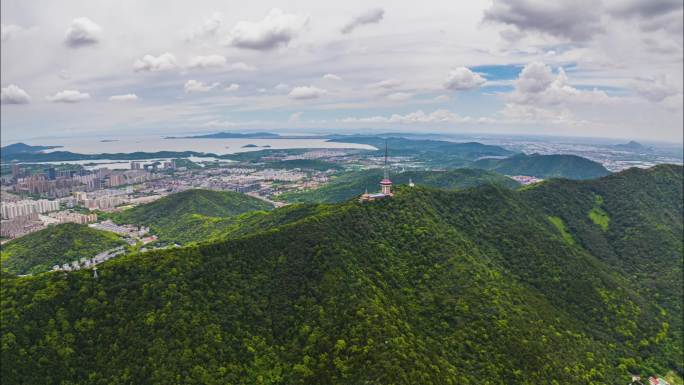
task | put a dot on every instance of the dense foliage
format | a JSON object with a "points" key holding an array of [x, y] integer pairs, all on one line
{"points": [[191, 215], [38, 252], [429, 287], [546, 166], [350, 184]]}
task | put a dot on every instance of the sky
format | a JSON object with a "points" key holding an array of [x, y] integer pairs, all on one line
{"points": [[602, 68]]}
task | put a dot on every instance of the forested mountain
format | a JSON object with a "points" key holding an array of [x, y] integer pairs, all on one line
{"points": [[191, 215], [545, 166], [38, 252], [354, 183], [433, 153], [566, 282]]}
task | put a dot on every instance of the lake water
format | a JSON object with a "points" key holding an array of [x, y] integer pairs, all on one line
{"points": [[215, 146]]}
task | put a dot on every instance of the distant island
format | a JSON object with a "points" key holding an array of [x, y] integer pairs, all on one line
{"points": [[109, 140], [250, 145], [229, 135]]}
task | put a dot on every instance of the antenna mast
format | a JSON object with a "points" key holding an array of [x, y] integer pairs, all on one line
{"points": [[386, 170]]}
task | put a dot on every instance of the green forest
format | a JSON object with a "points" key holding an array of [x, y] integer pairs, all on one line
{"points": [[545, 166], [353, 183], [484, 285], [191, 215], [38, 252]]}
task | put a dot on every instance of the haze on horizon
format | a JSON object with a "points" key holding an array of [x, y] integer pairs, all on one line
{"points": [[605, 68]]}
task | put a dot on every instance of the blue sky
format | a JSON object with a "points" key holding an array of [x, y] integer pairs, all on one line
{"points": [[601, 68]]}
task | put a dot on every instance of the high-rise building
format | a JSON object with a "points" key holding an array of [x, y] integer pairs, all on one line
{"points": [[16, 170], [51, 173]]}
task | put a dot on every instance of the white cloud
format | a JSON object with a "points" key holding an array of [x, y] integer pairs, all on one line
{"points": [[82, 32], [307, 92], [163, 62], [417, 117], [124, 98], [399, 96], [276, 29], [537, 85], [241, 66], [207, 29], [197, 86], [281, 87], [14, 95], [232, 87], [7, 31], [68, 96], [387, 83], [331, 77], [209, 61], [371, 16], [463, 78]]}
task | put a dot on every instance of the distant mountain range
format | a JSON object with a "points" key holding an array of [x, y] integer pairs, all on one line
{"points": [[566, 282]]}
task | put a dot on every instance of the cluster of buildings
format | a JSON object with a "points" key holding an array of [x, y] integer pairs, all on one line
{"points": [[72, 217], [85, 263], [525, 179], [130, 231], [10, 210], [54, 183]]}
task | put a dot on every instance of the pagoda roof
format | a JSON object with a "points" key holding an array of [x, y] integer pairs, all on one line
{"points": [[385, 181]]}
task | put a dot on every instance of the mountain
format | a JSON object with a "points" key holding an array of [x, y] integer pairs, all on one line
{"points": [[352, 184], [435, 153], [482, 285], [230, 135], [23, 148], [191, 215], [55, 245], [545, 166], [632, 146]]}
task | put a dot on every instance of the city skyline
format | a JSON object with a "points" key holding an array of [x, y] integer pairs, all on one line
{"points": [[596, 69]]}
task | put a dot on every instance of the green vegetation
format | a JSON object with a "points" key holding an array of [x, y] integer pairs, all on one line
{"points": [[192, 215], [38, 252], [546, 166], [558, 223], [352, 184], [429, 287], [597, 215]]}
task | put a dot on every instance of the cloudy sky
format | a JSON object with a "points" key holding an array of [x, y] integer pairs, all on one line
{"points": [[609, 68]]}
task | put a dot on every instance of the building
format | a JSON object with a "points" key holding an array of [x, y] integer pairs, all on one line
{"points": [[16, 170], [26, 207], [385, 185], [51, 173], [135, 165]]}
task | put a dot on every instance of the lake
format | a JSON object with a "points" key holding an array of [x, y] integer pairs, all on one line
{"points": [[156, 143]]}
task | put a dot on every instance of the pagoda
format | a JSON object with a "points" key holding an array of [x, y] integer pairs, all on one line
{"points": [[385, 184]]}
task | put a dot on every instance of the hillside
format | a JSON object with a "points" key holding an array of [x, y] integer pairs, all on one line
{"points": [[545, 166], [483, 285], [38, 252], [351, 184], [192, 215]]}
